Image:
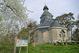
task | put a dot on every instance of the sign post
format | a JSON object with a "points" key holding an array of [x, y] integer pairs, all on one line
{"points": [[20, 49], [22, 43], [15, 44], [27, 49]]}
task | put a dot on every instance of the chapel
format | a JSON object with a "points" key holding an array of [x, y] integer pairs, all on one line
{"points": [[49, 30]]}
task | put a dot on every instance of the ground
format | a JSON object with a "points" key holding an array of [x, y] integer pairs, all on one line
{"points": [[44, 48]]}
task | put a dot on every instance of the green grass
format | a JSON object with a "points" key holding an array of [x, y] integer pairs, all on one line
{"points": [[49, 48], [44, 48]]}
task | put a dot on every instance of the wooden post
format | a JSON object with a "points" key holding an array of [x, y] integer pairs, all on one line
{"points": [[34, 40], [20, 46], [34, 44], [29, 38], [28, 42], [15, 44], [20, 49], [27, 46], [27, 49]]}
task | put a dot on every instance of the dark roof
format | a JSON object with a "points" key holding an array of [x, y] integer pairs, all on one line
{"points": [[45, 7], [55, 24], [43, 29], [42, 25], [46, 13], [45, 21]]}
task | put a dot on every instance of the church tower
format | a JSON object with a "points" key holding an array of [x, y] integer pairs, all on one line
{"points": [[46, 18]]}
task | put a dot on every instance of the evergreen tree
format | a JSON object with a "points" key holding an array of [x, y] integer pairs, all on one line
{"points": [[76, 35]]}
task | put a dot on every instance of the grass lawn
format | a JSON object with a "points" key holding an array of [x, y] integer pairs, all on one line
{"points": [[49, 48], [44, 48]]}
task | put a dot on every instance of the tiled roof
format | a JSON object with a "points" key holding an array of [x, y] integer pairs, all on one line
{"points": [[55, 24]]}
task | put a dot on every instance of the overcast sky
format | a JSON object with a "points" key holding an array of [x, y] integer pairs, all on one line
{"points": [[56, 7]]}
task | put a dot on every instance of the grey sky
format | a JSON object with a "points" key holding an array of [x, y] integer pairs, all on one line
{"points": [[56, 7]]}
